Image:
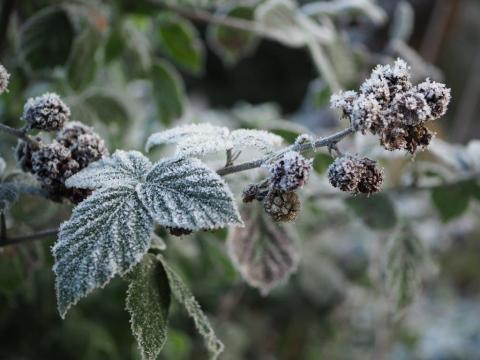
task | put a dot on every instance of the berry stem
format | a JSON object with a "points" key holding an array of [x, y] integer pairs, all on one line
{"points": [[321, 142], [19, 134]]}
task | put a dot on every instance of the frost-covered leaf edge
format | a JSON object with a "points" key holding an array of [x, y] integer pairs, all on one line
{"points": [[140, 272], [184, 296]]}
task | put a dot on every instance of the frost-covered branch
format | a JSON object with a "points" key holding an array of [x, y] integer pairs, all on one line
{"points": [[20, 134], [322, 142], [30, 237]]}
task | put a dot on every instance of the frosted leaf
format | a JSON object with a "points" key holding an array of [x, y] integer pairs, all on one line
{"points": [[262, 252], [202, 139], [126, 168], [184, 193], [107, 234], [8, 196], [148, 302], [405, 259], [3, 166], [260, 139], [186, 298]]}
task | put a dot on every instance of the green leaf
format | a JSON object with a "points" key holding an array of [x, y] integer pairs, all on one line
{"points": [[115, 43], [137, 53], [107, 235], [180, 40], [148, 302], [12, 273], [231, 45], [405, 258], [288, 135], [452, 201], [82, 63], [168, 92], [262, 251], [377, 211], [186, 298], [108, 107], [185, 193], [46, 39], [321, 162]]}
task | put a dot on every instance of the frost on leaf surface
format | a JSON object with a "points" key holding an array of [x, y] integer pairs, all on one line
{"points": [[184, 296], [126, 168], [262, 252], [202, 139], [148, 302], [185, 193], [107, 234]]}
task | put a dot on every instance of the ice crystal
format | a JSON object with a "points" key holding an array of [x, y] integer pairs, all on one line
{"points": [[126, 168], [202, 139], [187, 194], [111, 230], [107, 235]]}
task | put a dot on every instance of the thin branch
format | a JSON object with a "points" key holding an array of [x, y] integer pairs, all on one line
{"points": [[3, 227], [19, 134], [35, 236], [322, 142]]}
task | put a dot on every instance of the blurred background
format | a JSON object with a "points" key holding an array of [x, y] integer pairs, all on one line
{"points": [[122, 74]]}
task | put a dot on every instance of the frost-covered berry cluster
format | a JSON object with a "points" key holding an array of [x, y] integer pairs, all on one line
{"points": [[287, 174], [390, 106], [46, 112], [290, 172], [74, 148], [355, 174], [4, 79]]}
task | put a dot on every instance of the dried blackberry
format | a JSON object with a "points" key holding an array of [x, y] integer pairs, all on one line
{"points": [[282, 206], [85, 145], [437, 95], [371, 180], [23, 155], [47, 112], [290, 172], [345, 173]]}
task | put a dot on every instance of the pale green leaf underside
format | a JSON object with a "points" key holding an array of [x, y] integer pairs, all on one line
{"points": [[186, 298], [187, 194], [107, 234], [125, 168], [202, 139], [148, 302]]}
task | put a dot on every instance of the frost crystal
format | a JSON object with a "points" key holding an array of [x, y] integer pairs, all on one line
{"points": [[389, 106], [290, 172], [186, 194], [4, 79], [202, 139], [47, 112]]}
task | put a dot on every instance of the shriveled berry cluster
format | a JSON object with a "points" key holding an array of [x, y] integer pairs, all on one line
{"points": [[74, 148], [277, 193], [47, 112], [390, 106], [355, 174]]}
